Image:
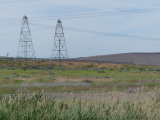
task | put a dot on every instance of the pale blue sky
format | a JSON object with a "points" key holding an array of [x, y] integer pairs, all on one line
{"points": [[81, 44]]}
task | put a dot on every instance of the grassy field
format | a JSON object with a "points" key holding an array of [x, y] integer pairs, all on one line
{"points": [[91, 77], [78, 91], [116, 107]]}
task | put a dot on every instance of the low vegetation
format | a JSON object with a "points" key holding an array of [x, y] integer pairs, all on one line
{"points": [[40, 106], [78, 91], [96, 77]]}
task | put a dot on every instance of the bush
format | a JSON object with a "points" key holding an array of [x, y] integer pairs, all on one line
{"points": [[34, 67], [15, 75], [51, 73], [141, 69], [25, 76], [137, 72], [111, 69], [103, 68], [158, 69], [121, 68], [150, 69], [106, 76], [127, 69], [6, 77], [100, 71]]}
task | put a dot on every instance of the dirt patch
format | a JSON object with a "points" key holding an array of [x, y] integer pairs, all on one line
{"points": [[48, 84], [63, 79]]}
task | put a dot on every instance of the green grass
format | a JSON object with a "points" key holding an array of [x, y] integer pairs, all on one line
{"points": [[110, 80], [101, 78], [107, 80], [42, 80], [38, 106], [18, 81]]}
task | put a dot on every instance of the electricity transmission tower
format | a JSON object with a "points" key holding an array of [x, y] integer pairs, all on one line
{"points": [[25, 47], [59, 51]]}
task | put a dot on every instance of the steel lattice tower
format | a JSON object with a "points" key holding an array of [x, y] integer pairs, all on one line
{"points": [[25, 48], [59, 51]]}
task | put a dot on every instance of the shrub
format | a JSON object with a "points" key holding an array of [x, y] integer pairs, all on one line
{"points": [[25, 76], [87, 81], [137, 72], [158, 69], [34, 67], [111, 69], [141, 69], [15, 75], [127, 69], [121, 68], [100, 71], [6, 77], [51, 73], [150, 69], [106, 76], [103, 68]]}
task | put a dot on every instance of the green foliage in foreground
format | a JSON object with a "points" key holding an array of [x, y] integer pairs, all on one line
{"points": [[39, 107]]}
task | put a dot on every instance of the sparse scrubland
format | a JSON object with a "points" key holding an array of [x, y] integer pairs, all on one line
{"points": [[77, 77], [78, 91]]}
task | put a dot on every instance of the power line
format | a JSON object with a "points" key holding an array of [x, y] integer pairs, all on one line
{"points": [[111, 34], [41, 25], [90, 14], [111, 13], [58, 11], [11, 1], [99, 32], [100, 14]]}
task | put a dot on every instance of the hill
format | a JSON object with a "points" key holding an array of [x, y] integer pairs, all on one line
{"points": [[136, 58]]}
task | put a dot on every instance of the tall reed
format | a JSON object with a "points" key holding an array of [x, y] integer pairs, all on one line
{"points": [[41, 107]]}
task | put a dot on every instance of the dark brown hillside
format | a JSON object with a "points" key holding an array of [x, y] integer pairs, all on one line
{"points": [[136, 58]]}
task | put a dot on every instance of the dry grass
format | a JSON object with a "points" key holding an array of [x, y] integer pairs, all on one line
{"points": [[88, 64], [71, 79], [45, 63], [85, 106]]}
